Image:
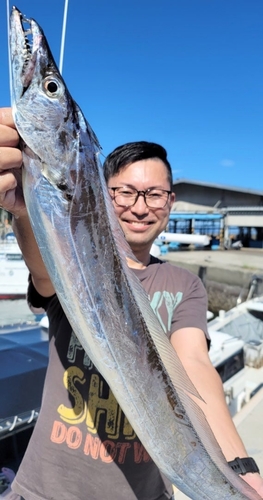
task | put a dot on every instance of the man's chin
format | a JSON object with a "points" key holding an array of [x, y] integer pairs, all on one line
{"points": [[140, 240], [139, 243]]}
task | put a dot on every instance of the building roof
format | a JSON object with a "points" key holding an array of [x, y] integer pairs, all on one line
{"points": [[255, 192], [187, 206]]}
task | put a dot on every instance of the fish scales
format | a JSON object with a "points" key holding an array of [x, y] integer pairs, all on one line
{"points": [[76, 230]]}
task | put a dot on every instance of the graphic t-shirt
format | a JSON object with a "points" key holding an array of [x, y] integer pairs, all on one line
{"points": [[83, 447]]}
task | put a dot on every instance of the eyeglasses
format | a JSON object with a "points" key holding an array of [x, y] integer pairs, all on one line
{"points": [[127, 196]]}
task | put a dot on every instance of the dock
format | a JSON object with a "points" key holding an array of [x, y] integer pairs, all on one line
{"points": [[226, 274], [233, 267], [249, 424]]}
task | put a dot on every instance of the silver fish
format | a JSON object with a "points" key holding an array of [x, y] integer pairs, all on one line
{"points": [[85, 253]]}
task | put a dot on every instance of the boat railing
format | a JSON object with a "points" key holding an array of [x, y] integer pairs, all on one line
{"points": [[12, 425]]}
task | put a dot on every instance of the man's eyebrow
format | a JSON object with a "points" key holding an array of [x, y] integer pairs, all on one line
{"points": [[132, 186]]}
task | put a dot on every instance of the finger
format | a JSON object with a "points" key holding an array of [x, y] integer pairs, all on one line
{"points": [[7, 200], [8, 182], [11, 194], [10, 158], [8, 136], [6, 117]]}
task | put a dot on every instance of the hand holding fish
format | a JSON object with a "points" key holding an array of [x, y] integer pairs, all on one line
{"points": [[12, 200], [11, 196]]}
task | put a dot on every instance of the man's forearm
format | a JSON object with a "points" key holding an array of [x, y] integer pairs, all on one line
{"points": [[219, 419], [209, 385]]}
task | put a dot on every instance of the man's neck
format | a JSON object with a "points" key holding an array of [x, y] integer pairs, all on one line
{"points": [[143, 260]]}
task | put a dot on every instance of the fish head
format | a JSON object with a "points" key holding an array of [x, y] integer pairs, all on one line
{"points": [[48, 120]]}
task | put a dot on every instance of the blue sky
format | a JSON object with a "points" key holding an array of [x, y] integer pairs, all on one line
{"points": [[185, 73]]}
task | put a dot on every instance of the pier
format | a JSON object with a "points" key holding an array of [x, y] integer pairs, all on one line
{"points": [[226, 274]]}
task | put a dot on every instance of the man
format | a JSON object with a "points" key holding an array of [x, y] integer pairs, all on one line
{"points": [[83, 446]]}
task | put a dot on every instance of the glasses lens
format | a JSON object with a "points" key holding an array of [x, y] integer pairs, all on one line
{"points": [[125, 197], [156, 198]]}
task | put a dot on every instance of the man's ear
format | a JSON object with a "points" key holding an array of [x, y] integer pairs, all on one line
{"points": [[172, 199]]}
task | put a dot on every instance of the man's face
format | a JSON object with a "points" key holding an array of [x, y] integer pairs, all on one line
{"points": [[141, 224]]}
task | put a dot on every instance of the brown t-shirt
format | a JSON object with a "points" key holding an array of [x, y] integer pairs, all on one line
{"points": [[83, 447]]}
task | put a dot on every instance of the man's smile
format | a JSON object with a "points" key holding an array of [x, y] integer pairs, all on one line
{"points": [[137, 224], [140, 223]]}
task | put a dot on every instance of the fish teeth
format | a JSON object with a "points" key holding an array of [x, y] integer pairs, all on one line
{"points": [[27, 32], [27, 48]]}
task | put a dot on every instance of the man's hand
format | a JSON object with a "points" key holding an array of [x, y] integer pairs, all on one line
{"points": [[11, 193], [12, 200]]}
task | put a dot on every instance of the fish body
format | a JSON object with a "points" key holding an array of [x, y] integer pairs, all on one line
{"points": [[85, 253]]}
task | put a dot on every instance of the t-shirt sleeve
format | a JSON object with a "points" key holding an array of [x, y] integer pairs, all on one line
{"points": [[191, 311], [36, 302]]}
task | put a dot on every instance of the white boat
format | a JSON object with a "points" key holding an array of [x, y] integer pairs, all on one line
{"points": [[241, 325], [13, 270], [172, 241], [187, 239], [245, 321], [227, 356]]}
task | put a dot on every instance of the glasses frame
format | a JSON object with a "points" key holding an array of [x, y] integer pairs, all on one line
{"points": [[140, 193]]}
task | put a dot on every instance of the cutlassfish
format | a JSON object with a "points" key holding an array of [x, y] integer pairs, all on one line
{"points": [[81, 241]]}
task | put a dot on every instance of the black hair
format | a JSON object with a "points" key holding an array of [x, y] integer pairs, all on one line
{"points": [[132, 152]]}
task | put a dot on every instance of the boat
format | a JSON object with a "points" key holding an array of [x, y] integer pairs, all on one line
{"points": [[183, 238], [245, 321], [13, 270], [23, 359], [172, 241], [242, 325], [23, 364], [227, 355]]}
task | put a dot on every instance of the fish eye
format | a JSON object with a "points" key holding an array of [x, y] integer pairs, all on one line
{"points": [[52, 87]]}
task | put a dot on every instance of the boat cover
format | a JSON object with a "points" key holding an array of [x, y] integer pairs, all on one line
{"points": [[23, 363]]}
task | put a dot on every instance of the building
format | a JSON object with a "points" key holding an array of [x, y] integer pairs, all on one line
{"points": [[225, 212]]}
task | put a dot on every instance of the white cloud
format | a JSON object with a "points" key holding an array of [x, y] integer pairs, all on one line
{"points": [[227, 163]]}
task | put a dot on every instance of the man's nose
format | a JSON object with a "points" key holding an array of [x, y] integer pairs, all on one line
{"points": [[140, 205]]}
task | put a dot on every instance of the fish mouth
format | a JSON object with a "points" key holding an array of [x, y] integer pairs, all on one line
{"points": [[25, 38], [26, 31]]}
